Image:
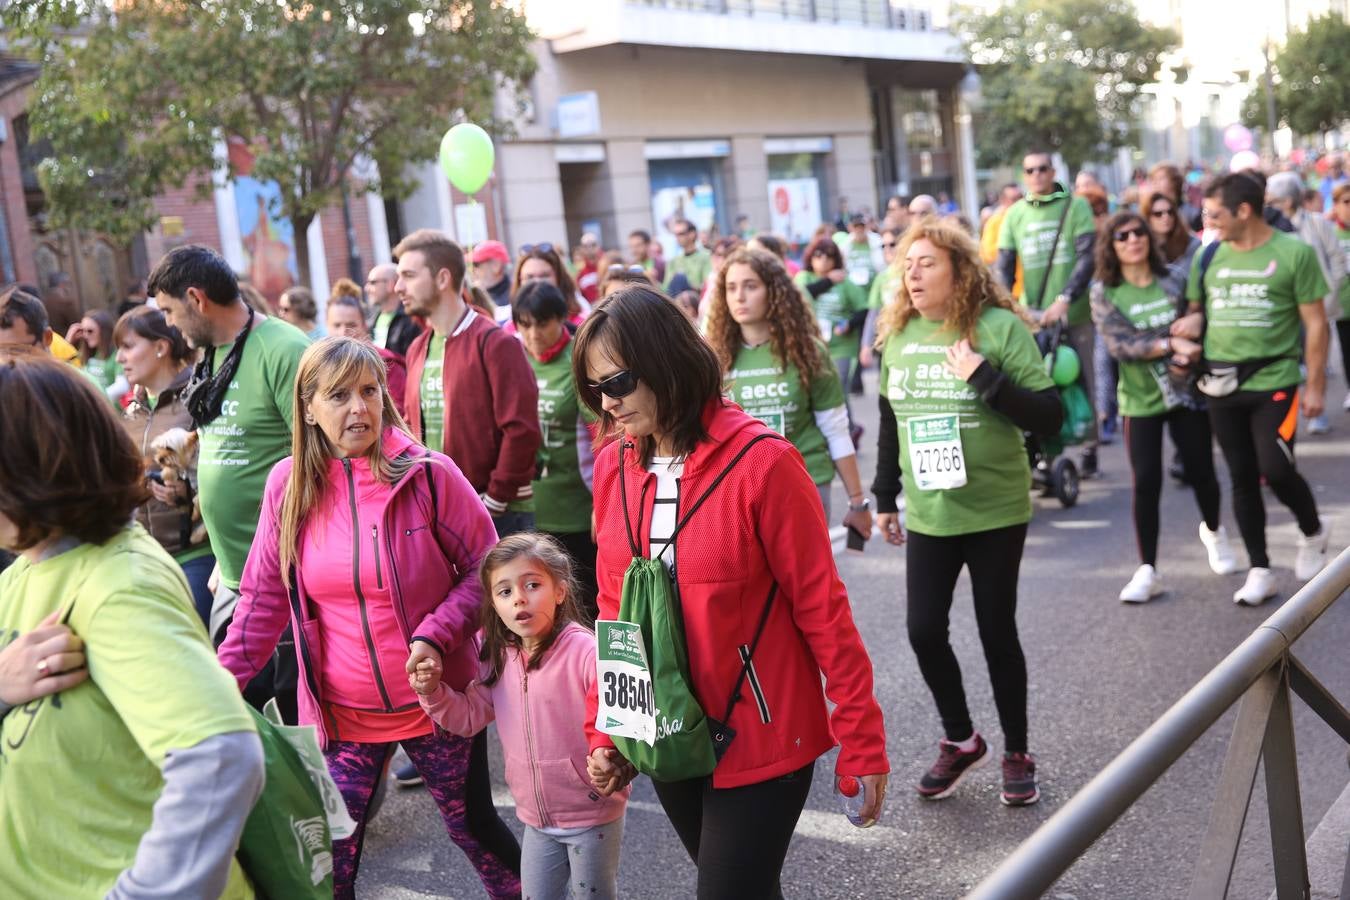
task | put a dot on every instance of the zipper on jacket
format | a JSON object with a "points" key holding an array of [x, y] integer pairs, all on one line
{"points": [[375, 544], [544, 821], [360, 596]]}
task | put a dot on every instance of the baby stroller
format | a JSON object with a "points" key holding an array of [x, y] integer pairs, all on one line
{"points": [[1052, 473]]}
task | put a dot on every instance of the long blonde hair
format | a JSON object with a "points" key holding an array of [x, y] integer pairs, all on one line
{"points": [[974, 288], [333, 360]]}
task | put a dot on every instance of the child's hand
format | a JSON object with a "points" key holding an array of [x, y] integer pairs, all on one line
{"points": [[608, 770], [425, 677]]}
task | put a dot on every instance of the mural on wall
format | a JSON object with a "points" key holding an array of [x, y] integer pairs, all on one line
{"points": [[268, 237]]}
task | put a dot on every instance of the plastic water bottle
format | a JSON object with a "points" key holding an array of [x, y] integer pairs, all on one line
{"points": [[854, 797]]}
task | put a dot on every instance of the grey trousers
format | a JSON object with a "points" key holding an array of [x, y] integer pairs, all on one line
{"points": [[578, 865]]}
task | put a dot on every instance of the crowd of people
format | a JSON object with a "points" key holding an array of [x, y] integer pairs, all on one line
{"points": [[394, 511]]}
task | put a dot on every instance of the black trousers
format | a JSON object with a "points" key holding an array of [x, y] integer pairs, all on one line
{"points": [[738, 837], [1343, 335], [1143, 441], [932, 565], [1255, 431]]}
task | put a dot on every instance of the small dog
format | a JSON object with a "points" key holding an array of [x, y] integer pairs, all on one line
{"points": [[176, 456]]}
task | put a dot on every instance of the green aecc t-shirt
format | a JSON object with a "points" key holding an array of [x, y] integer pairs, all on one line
{"points": [[1251, 305], [772, 393], [1140, 392], [1029, 228], [562, 495], [997, 490], [80, 770]]}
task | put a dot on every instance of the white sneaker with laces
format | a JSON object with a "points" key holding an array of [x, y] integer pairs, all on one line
{"points": [[1312, 552], [1221, 557], [1259, 588], [1143, 587]]}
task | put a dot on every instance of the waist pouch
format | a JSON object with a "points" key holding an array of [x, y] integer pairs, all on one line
{"points": [[1219, 379]]}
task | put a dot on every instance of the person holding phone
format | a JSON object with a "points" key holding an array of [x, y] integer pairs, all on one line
{"points": [[776, 367], [961, 379]]}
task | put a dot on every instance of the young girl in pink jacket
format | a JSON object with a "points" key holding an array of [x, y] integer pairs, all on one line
{"points": [[537, 666]]}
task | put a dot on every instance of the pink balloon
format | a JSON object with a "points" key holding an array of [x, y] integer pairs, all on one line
{"points": [[1237, 137], [1244, 159]]}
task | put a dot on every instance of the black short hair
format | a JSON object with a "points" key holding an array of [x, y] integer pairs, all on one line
{"points": [[1237, 188], [641, 233], [17, 303], [193, 265], [538, 301]]}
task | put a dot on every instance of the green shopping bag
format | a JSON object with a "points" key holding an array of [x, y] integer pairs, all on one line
{"points": [[287, 845], [646, 697]]}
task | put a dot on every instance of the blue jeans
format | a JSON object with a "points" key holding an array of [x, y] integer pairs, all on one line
{"points": [[198, 572], [509, 523]]}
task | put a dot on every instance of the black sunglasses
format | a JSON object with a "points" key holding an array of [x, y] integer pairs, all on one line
{"points": [[1164, 211], [888, 245], [1034, 170], [618, 385], [1125, 234], [545, 247]]}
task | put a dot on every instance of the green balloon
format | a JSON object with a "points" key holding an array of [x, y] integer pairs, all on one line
{"points": [[1066, 367], [467, 157]]}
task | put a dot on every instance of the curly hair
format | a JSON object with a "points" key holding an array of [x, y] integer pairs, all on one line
{"points": [[792, 329], [1108, 263], [824, 245], [974, 287]]}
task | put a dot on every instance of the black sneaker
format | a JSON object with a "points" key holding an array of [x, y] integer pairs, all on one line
{"points": [[1087, 466], [1019, 780], [407, 775], [952, 765]]}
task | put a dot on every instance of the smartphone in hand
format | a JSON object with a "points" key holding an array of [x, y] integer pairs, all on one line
{"points": [[856, 542]]}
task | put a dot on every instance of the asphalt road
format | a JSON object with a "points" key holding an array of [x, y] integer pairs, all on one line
{"points": [[1100, 672]]}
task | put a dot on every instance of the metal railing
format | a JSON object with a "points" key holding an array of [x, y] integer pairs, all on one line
{"points": [[916, 16], [1259, 674]]}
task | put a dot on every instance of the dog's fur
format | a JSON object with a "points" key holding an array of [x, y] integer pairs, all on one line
{"points": [[175, 453]]}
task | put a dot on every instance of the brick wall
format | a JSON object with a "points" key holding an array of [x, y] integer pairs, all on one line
{"points": [[200, 225]]}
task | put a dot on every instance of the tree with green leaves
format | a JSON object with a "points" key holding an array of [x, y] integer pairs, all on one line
{"points": [[135, 100], [1064, 75], [1310, 77]]}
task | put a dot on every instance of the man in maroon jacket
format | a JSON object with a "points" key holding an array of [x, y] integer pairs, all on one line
{"points": [[471, 392]]}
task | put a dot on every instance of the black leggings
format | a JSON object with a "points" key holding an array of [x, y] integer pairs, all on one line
{"points": [[1255, 431], [1143, 441], [1343, 335], [932, 565], [737, 837]]}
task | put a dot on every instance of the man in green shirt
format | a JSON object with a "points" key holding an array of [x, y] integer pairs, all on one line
{"points": [[1055, 288], [241, 399], [1248, 299], [693, 262]]}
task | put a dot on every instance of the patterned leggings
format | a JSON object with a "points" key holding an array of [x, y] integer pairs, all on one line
{"points": [[456, 774]]}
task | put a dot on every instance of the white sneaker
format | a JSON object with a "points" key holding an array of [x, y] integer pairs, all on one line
{"points": [[1259, 588], [1221, 557], [1346, 405], [1319, 425], [1143, 587], [1312, 552]]}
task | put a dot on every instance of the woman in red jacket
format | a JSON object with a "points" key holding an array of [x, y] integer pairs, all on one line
{"points": [[640, 365]]}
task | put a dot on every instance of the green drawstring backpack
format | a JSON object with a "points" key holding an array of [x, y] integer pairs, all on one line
{"points": [[649, 695]]}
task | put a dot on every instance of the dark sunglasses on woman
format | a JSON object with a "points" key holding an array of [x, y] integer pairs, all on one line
{"points": [[618, 385]]}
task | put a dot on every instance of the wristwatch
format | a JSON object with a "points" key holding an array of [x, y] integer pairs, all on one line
{"points": [[860, 507], [1065, 297]]}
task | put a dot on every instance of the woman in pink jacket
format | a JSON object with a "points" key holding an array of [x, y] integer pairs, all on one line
{"points": [[532, 636], [368, 545]]}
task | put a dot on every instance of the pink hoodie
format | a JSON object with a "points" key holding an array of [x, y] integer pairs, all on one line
{"points": [[539, 720]]}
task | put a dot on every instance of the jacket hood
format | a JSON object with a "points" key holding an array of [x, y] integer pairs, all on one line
{"points": [[1057, 193], [170, 393]]}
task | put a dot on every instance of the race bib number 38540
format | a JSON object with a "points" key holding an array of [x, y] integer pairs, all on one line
{"points": [[627, 707], [935, 454]]}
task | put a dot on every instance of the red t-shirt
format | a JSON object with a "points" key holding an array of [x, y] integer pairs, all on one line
{"points": [[588, 282]]}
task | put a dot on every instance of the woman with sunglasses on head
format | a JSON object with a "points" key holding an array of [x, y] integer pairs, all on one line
{"points": [[541, 262], [640, 365], [619, 275], [778, 370], [1135, 298], [1170, 234], [840, 306]]}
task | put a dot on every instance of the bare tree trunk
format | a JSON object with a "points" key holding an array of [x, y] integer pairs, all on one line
{"points": [[300, 226]]}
